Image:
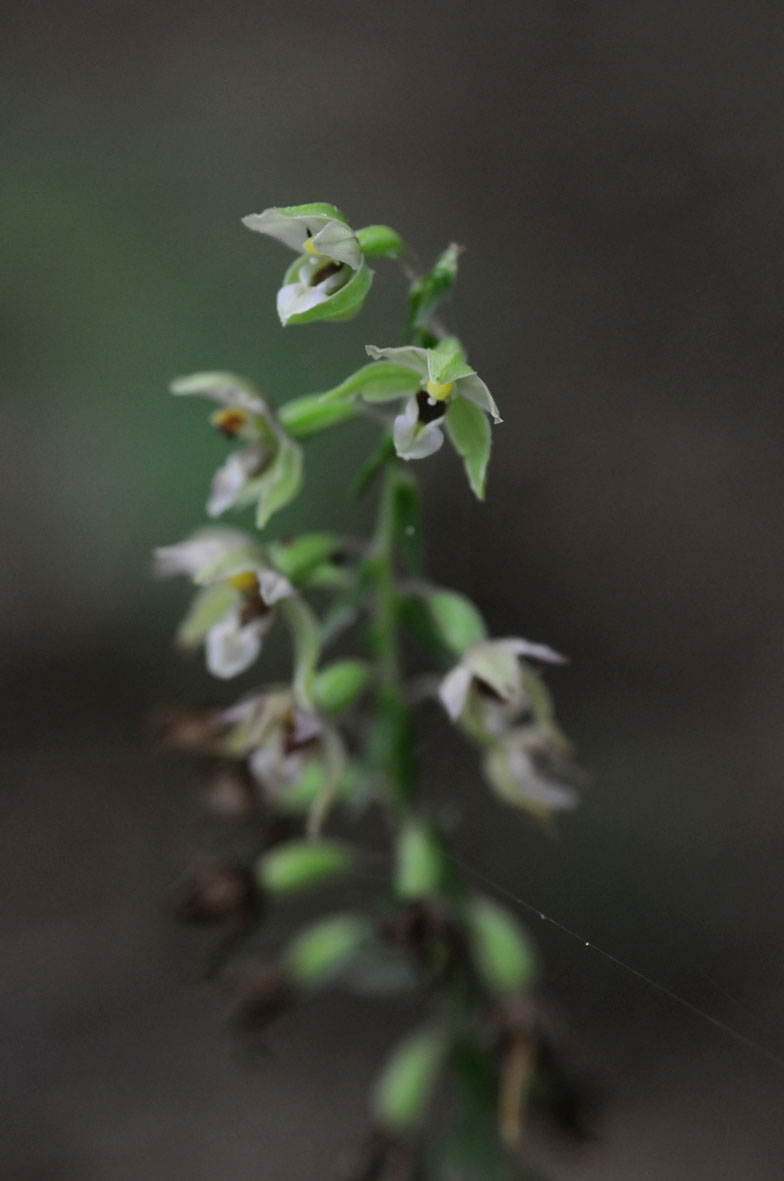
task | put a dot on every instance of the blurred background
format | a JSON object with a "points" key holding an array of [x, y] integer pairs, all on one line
{"points": [[616, 172]]}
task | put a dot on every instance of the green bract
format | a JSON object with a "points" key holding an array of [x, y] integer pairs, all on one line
{"points": [[501, 951], [331, 279]]}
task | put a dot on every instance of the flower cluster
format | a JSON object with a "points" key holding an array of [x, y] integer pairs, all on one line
{"points": [[341, 731]]}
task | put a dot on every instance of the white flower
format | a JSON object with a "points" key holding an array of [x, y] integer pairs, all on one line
{"points": [[489, 678], [234, 609], [445, 376], [524, 771], [331, 278], [268, 470]]}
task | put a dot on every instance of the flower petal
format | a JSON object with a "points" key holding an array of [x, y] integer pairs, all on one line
{"points": [[453, 690], [273, 586], [522, 647], [473, 388], [230, 648], [415, 440], [230, 479], [197, 552]]}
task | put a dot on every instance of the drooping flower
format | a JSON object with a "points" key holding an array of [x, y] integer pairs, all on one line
{"points": [[330, 279], [267, 470], [525, 770], [490, 688], [234, 609]]}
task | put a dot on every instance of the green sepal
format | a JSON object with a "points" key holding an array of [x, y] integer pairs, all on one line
{"points": [[446, 361], [380, 242], [402, 1094], [338, 686], [428, 292], [309, 415], [422, 869], [208, 608], [212, 382], [299, 865], [277, 485], [319, 954], [457, 621], [469, 430], [380, 381], [502, 953], [315, 209]]}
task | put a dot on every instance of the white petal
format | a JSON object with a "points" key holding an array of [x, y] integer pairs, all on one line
{"points": [[273, 586], [476, 391], [522, 647], [294, 298], [194, 555], [229, 480], [231, 648], [413, 440], [454, 690]]}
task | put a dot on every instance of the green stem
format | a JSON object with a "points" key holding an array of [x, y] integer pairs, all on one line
{"points": [[394, 735]]}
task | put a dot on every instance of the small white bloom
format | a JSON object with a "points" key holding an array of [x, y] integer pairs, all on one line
{"points": [[492, 666], [231, 479], [524, 772]]}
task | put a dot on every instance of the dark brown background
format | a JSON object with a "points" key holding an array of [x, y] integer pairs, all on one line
{"points": [[616, 172]]}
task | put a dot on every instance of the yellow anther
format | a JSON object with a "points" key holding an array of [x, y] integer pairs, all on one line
{"points": [[309, 248], [439, 391], [230, 421], [246, 583]]}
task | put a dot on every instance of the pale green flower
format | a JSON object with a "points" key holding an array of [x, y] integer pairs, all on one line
{"points": [[233, 610], [524, 770], [487, 689], [330, 279], [267, 470]]}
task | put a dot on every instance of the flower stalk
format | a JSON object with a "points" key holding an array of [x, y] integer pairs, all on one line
{"points": [[342, 732]]}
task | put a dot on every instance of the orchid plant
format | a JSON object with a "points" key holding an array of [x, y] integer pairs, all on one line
{"points": [[340, 736]]}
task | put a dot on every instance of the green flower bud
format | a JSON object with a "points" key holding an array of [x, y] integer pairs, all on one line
{"points": [[338, 685], [380, 242], [456, 620], [298, 865], [422, 867], [403, 1091], [320, 952], [502, 952], [428, 292]]}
